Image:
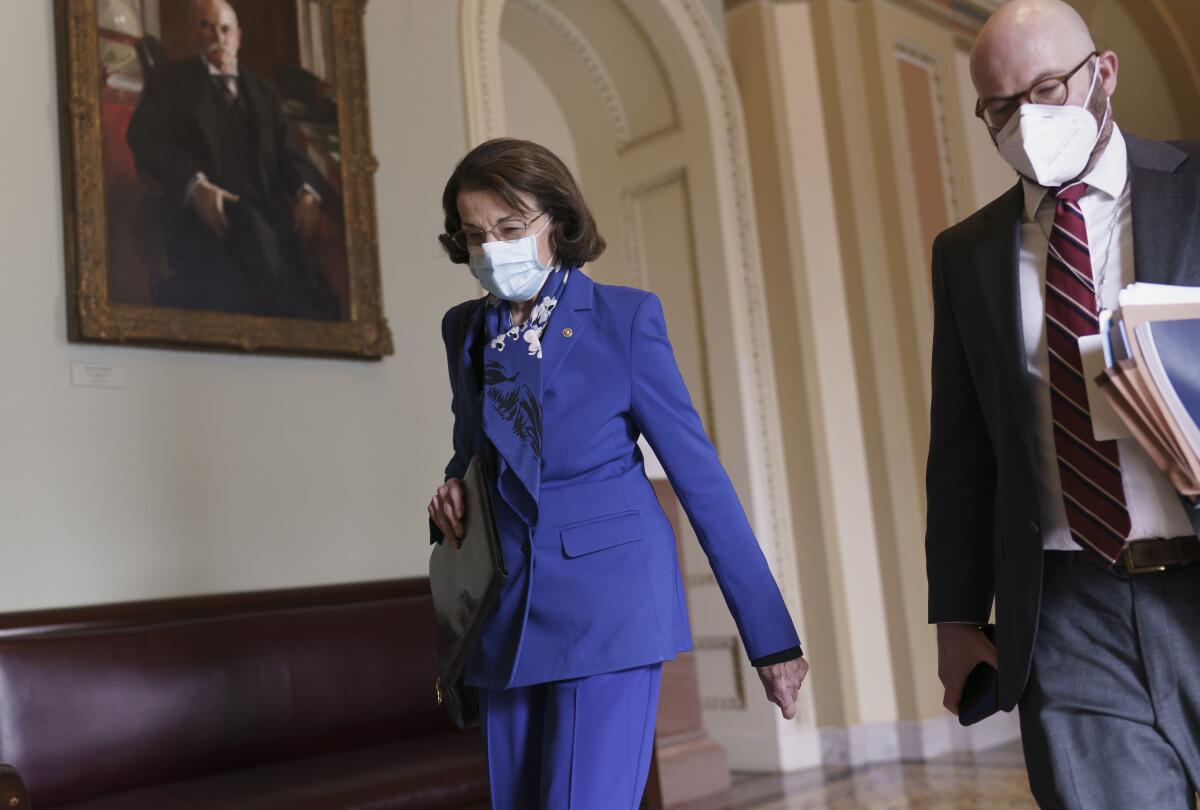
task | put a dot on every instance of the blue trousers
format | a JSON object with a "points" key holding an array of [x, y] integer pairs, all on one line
{"points": [[579, 744]]}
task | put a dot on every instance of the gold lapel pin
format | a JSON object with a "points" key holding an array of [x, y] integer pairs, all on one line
{"points": [[568, 332]]}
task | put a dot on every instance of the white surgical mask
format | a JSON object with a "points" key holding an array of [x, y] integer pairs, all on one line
{"points": [[510, 271], [1048, 144]]}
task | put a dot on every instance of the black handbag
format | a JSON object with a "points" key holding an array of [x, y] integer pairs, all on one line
{"points": [[466, 584]]}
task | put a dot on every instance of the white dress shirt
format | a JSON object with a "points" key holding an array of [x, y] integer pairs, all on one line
{"points": [[1154, 508]]}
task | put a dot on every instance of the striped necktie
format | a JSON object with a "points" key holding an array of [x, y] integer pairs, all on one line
{"points": [[1090, 470]]}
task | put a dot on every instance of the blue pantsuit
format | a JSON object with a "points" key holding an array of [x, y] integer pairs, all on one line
{"points": [[594, 601], [578, 744]]}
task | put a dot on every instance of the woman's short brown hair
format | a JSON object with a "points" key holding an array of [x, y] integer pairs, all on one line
{"points": [[510, 167]]}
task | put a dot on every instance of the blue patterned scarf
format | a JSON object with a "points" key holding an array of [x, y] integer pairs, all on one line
{"points": [[512, 393]]}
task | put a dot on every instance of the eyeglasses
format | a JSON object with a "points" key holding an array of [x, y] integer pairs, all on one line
{"points": [[1051, 90], [509, 229]]}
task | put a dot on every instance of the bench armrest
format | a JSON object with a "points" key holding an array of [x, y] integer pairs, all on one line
{"points": [[13, 795]]}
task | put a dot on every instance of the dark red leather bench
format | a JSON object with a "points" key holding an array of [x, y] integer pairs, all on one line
{"points": [[305, 698]]}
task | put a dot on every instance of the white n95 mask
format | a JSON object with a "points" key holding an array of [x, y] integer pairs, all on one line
{"points": [[1049, 144], [510, 271]]}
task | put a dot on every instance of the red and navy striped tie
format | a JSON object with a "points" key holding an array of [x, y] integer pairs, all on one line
{"points": [[1090, 470]]}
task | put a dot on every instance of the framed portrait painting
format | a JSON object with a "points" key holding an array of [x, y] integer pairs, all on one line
{"points": [[218, 175]]}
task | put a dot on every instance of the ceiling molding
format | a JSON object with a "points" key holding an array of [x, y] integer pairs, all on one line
{"points": [[964, 17]]}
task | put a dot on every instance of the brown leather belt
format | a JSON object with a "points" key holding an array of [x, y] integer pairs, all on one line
{"points": [[1149, 556]]}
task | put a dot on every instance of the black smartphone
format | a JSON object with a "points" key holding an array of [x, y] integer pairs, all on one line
{"points": [[981, 693]]}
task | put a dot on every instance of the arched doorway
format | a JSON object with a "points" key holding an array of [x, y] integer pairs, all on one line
{"points": [[639, 99]]}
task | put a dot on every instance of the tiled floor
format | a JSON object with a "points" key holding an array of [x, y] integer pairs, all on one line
{"points": [[992, 780]]}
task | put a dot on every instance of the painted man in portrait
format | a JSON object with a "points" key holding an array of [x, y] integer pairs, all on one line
{"points": [[242, 203]]}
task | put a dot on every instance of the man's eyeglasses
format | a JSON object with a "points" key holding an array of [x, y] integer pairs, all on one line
{"points": [[509, 229], [1051, 90]]}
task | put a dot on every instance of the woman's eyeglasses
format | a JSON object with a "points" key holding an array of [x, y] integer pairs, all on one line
{"points": [[509, 229]]}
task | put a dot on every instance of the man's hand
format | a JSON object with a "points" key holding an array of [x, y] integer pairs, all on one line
{"points": [[960, 648], [447, 509], [782, 683], [305, 216], [207, 201]]}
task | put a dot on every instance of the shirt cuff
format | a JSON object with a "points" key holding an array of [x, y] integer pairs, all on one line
{"points": [[310, 190], [789, 654], [197, 179]]}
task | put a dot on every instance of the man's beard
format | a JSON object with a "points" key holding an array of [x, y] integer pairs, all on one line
{"points": [[1099, 105]]}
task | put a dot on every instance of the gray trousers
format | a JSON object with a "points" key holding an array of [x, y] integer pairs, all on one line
{"points": [[1111, 715]]}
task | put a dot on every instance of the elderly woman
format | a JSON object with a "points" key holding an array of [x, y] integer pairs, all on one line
{"points": [[554, 378]]}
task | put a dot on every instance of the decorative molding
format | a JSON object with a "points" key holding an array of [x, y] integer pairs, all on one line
{"points": [[631, 227], [674, 125], [561, 26], [733, 157], [959, 13], [733, 646], [872, 743], [922, 58], [479, 35], [618, 119], [631, 199], [908, 740], [479, 40]]}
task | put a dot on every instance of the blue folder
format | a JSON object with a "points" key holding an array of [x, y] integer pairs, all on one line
{"points": [[1177, 345]]}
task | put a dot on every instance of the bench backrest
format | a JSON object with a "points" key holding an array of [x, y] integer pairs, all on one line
{"points": [[103, 699]]}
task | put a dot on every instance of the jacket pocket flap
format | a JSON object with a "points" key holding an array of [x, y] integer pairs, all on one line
{"points": [[605, 532]]}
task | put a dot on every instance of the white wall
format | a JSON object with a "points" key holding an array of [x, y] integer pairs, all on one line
{"points": [[213, 472]]}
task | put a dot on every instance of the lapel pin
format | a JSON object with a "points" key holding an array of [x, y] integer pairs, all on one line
{"points": [[567, 332]]}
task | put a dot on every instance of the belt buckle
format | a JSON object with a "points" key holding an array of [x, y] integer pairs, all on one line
{"points": [[1133, 568]]}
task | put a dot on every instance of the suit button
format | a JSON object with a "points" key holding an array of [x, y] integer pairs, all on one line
{"points": [[1033, 527], [526, 548]]}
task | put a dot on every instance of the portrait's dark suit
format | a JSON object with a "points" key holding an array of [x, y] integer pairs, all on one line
{"points": [[185, 123], [983, 536]]}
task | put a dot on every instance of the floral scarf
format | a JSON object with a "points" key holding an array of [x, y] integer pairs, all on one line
{"points": [[512, 393]]}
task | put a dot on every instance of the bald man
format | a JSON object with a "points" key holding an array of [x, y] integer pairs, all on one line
{"points": [[1092, 559], [240, 194]]}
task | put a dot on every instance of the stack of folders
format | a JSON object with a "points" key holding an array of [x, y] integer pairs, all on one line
{"points": [[1151, 349]]}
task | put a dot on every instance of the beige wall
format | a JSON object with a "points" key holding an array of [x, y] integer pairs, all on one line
{"points": [[1143, 103], [213, 472]]}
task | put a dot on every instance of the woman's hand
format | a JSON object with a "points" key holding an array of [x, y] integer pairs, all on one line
{"points": [[782, 683], [447, 509]]}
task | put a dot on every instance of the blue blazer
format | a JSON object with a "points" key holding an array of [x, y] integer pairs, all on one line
{"points": [[595, 585]]}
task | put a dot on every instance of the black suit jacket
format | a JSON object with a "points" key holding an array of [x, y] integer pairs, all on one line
{"points": [[176, 132], [983, 538]]}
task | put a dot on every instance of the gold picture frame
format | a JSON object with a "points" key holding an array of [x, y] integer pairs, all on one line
{"points": [[96, 310]]}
